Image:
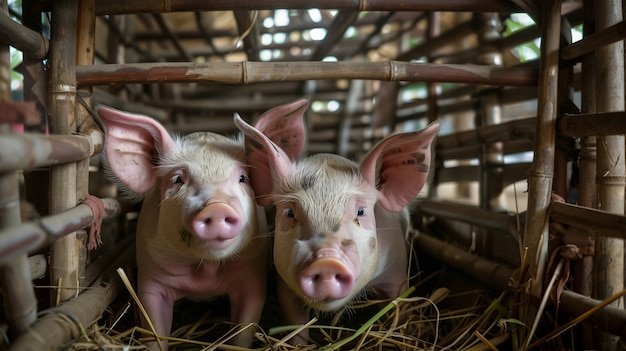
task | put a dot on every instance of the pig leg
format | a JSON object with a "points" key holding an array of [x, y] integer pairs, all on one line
{"points": [[247, 304], [160, 310], [295, 312]]}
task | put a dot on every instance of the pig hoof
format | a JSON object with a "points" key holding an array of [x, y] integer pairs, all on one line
{"points": [[326, 279]]}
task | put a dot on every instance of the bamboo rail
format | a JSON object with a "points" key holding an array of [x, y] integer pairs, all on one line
{"points": [[590, 124], [22, 38], [18, 297], [597, 221], [469, 214], [30, 151], [256, 72], [595, 41], [492, 274], [122, 6], [516, 129], [30, 236], [512, 173], [51, 331]]}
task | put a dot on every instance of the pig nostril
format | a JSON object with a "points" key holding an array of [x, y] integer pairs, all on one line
{"points": [[231, 220]]}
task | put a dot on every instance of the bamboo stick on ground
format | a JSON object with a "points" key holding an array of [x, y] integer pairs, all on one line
{"points": [[50, 331]]}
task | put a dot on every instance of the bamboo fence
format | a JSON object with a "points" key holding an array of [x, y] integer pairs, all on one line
{"points": [[75, 138]]}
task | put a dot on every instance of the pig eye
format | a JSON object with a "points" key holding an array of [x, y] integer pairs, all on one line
{"points": [[177, 179], [289, 212], [360, 212], [242, 178]]}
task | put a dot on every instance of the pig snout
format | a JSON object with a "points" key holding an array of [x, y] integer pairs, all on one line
{"points": [[326, 278], [217, 223]]}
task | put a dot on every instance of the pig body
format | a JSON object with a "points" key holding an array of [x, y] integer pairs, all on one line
{"points": [[199, 233], [341, 226]]}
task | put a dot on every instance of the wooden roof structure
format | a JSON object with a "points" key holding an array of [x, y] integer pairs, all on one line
{"points": [[554, 125]]}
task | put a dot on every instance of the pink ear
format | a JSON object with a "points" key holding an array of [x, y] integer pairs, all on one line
{"points": [[266, 159], [132, 144], [403, 161], [284, 125]]}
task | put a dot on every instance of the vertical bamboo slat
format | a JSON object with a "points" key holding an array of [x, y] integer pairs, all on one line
{"points": [[542, 169], [609, 255], [492, 159], [20, 303], [587, 196], [64, 256], [85, 48]]}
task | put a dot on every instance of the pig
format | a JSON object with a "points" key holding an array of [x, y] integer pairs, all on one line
{"points": [[341, 227], [200, 233]]}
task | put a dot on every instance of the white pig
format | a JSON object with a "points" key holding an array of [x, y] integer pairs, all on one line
{"points": [[341, 226], [199, 233]]}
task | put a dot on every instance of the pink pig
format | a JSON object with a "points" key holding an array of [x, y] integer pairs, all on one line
{"points": [[341, 226], [199, 233]]}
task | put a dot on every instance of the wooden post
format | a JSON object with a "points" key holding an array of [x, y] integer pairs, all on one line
{"points": [[609, 69], [542, 170], [64, 256]]}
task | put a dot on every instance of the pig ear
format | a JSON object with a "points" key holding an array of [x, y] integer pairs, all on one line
{"points": [[132, 144], [402, 162], [284, 125], [266, 159]]}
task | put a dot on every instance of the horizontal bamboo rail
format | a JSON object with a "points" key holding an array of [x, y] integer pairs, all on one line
{"points": [[122, 6], [592, 124], [597, 221], [30, 236], [30, 151], [511, 173], [492, 274], [475, 150], [594, 41], [26, 40], [609, 318], [52, 331], [516, 129], [469, 214], [256, 72]]}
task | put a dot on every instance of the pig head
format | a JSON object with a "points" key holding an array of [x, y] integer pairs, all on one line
{"points": [[199, 233], [341, 226]]}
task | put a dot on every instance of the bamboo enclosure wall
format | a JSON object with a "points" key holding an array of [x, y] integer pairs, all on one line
{"points": [[385, 66]]}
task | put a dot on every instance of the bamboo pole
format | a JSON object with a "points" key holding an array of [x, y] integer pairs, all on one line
{"points": [[26, 40], [31, 236], [51, 331], [609, 69], [593, 124], [492, 274], [469, 214], [507, 131], [256, 72], [85, 52], [512, 173], [64, 257], [542, 171], [18, 296], [31, 151], [595, 41], [123, 6], [587, 192]]}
